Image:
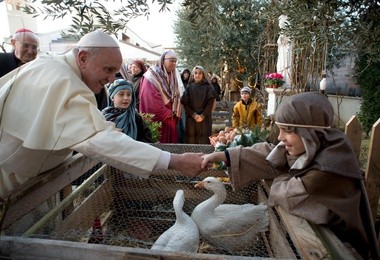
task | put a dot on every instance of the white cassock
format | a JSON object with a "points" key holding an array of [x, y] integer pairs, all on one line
{"points": [[46, 112]]}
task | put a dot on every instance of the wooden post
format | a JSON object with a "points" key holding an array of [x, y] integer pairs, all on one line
{"points": [[372, 174], [354, 132]]}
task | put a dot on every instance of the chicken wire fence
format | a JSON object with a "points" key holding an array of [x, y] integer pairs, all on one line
{"points": [[121, 209]]}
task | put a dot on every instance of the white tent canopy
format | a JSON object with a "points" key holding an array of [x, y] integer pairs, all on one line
{"points": [[130, 51]]}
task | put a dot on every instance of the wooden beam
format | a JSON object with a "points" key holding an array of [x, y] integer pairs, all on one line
{"points": [[278, 242], [303, 236], [35, 248], [372, 175], [305, 240], [38, 189], [67, 201], [82, 218], [354, 132]]}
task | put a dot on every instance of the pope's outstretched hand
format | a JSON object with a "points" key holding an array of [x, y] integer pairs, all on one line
{"points": [[187, 163]]}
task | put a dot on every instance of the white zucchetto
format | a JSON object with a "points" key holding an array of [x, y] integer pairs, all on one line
{"points": [[97, 39]]}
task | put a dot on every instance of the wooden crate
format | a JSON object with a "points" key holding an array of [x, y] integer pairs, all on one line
{"points": [[288, 237]]}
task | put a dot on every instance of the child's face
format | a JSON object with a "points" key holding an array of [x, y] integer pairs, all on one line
{"points": [[293, 142], [245, 96], [198, 75], [122, 99]]}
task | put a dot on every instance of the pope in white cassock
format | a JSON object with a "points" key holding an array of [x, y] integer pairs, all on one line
{"points": [[48, 109]]}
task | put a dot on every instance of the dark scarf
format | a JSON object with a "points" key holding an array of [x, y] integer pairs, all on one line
{"points": [[246, 104], [123, 119]]}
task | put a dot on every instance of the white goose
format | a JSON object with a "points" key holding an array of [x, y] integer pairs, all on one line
{"points": [[183, 236], [230, 226]]}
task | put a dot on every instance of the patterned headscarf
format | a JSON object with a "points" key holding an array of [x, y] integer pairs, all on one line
{"points": [[310, 115], [165, 83], [123, 118]]}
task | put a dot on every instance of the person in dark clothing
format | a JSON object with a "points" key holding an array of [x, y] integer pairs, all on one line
{"points": [[102, 99], [198, 101], [123, 112], [25, 48], [216, 86], [137, 70], [185, 76]]}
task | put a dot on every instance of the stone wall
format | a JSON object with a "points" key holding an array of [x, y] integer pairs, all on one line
{"points": [[344, 106]]}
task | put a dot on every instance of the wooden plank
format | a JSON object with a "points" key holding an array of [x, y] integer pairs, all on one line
{"points": [[63, 194], [336, 248], [279, 244], [38, 189], [27, 248], [306, 241], [372, 175], [354, 132], [64, 203], [82, 218]]}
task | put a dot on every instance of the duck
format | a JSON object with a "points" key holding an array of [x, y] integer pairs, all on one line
{"points": [[183, 235], [232, 227]]}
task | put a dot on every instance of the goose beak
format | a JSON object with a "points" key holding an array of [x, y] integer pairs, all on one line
{"points": [[200, 184]]}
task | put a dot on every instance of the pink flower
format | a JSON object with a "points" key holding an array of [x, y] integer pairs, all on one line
{"points": [[274, 75], [274, 79]]}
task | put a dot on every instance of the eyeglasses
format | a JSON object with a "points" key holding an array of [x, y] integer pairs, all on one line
{"points": [[27, 46]]}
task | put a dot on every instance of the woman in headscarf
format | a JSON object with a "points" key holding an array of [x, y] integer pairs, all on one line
{"points": [[216, 86], [137, 69], [198, 100], [315, 172], [122, 111], [160, 96]]}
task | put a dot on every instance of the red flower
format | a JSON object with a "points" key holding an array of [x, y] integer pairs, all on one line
{"points": [[274, 79]]}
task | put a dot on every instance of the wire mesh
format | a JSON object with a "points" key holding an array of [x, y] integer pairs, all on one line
{"points": [[122, 209]]}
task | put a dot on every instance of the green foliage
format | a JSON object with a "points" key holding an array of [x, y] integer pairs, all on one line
{"points": [[369, 80], [367, 40], [155, 127], [90, 15], [211, 33], [246, 137]]}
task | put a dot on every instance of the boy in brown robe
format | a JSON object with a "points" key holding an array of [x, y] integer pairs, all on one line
{"points": [[314, 169]]}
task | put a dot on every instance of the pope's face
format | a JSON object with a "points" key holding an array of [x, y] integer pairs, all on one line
{"points": [[99, 66]]}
